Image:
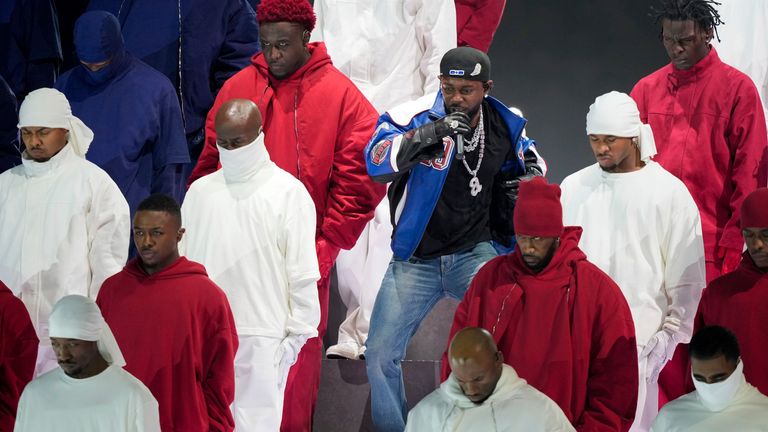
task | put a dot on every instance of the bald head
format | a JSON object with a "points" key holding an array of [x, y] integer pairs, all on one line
{"points": [[237, 123], [476, 363], [471, 344]]}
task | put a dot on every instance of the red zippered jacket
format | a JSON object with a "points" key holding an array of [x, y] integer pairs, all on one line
{"points": [[710, 133], [316, 126]]}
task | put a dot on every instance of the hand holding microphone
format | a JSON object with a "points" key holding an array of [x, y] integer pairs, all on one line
{"points": [[454, 124], [426, 141]]}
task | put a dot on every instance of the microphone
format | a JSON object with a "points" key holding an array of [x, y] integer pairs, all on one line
{"points": [[460, 147]]}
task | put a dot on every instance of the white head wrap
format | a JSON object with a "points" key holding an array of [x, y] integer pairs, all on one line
{"points": [[47, 107], [78, 317], [616, 114]]}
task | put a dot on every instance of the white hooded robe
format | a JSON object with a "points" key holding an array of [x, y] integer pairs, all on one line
{"points": [[64, 229], [514, 406]]}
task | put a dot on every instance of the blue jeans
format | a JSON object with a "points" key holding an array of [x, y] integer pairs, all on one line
{"points": [[410, 289]]}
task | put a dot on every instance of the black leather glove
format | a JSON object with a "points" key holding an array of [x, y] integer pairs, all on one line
{"points": [[505, 192], [426, 142], [453, 124], [512, 187], [532, 169]]}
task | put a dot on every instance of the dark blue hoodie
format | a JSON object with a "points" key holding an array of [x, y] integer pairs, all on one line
{"points": [[197, 44], [131, 108]]}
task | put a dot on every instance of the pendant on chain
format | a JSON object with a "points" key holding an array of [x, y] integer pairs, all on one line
{"points": [[475, 186]]}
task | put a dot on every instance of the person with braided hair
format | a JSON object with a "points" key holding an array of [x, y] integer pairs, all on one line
{"points": [[709, 125], [710, 132]]}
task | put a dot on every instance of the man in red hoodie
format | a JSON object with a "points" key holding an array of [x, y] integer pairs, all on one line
{"points": [[18, 353], [739, 299], [173, 324], [316, 126], [562, 323]]}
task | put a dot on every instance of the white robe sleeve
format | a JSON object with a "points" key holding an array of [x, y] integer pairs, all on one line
{"points": [[436, 32], [742, 42], [412, 423], [301, 265], [430, 414], [109, 226], [660, 424], [554, 420], [684, 272], [147, 416], [23, 414]]}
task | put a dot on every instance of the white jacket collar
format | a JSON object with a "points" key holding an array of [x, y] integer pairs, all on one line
{"points": [[39, 169], [508, 384]]}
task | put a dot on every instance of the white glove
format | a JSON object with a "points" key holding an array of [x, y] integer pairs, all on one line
{"points": [[657, 353], [286, 355]]}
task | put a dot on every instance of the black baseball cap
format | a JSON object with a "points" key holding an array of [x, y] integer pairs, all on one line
{"points": [[467, 63]]}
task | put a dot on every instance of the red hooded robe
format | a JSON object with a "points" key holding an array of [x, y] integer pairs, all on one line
{"points": [[738, 301], [18, 352], [567, 331], [177, 334]]}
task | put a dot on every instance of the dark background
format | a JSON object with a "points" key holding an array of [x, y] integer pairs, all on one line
{"points": [[552, 58]]}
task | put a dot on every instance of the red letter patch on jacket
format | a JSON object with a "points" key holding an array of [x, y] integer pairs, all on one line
{"points": [[441, 163], [379, 151]]}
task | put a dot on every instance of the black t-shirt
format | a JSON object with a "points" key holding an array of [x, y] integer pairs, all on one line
{"points": [[460, 220]]}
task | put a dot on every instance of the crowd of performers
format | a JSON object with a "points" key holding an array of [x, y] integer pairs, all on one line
{"points": [[171, 210]]}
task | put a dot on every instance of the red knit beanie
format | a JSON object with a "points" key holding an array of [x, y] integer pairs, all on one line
{"points": [[754, 209], [538, 211]]}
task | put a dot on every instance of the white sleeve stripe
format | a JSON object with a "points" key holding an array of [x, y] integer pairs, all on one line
{"points": [[393, 152], [401, 205], [539, 160]]}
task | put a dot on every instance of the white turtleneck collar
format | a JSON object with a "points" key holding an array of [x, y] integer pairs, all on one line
{"points": [[508, 383], [33, 168], [243, 163]]}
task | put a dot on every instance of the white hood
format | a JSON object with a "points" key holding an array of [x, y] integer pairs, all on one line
{"points": [[508, 384]]}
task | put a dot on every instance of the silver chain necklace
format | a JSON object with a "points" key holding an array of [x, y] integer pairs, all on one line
{"points": [[479, 139], [471, 144]]}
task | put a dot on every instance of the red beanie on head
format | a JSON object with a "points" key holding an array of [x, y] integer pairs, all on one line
{"points": [[538, 211], [754, 209]]}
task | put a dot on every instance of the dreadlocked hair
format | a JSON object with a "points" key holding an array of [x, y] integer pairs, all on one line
{"points": [[296, 11], [702, 12]]}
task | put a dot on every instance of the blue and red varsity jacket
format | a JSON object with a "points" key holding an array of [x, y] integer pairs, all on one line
{"points": [[415, 192]]}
